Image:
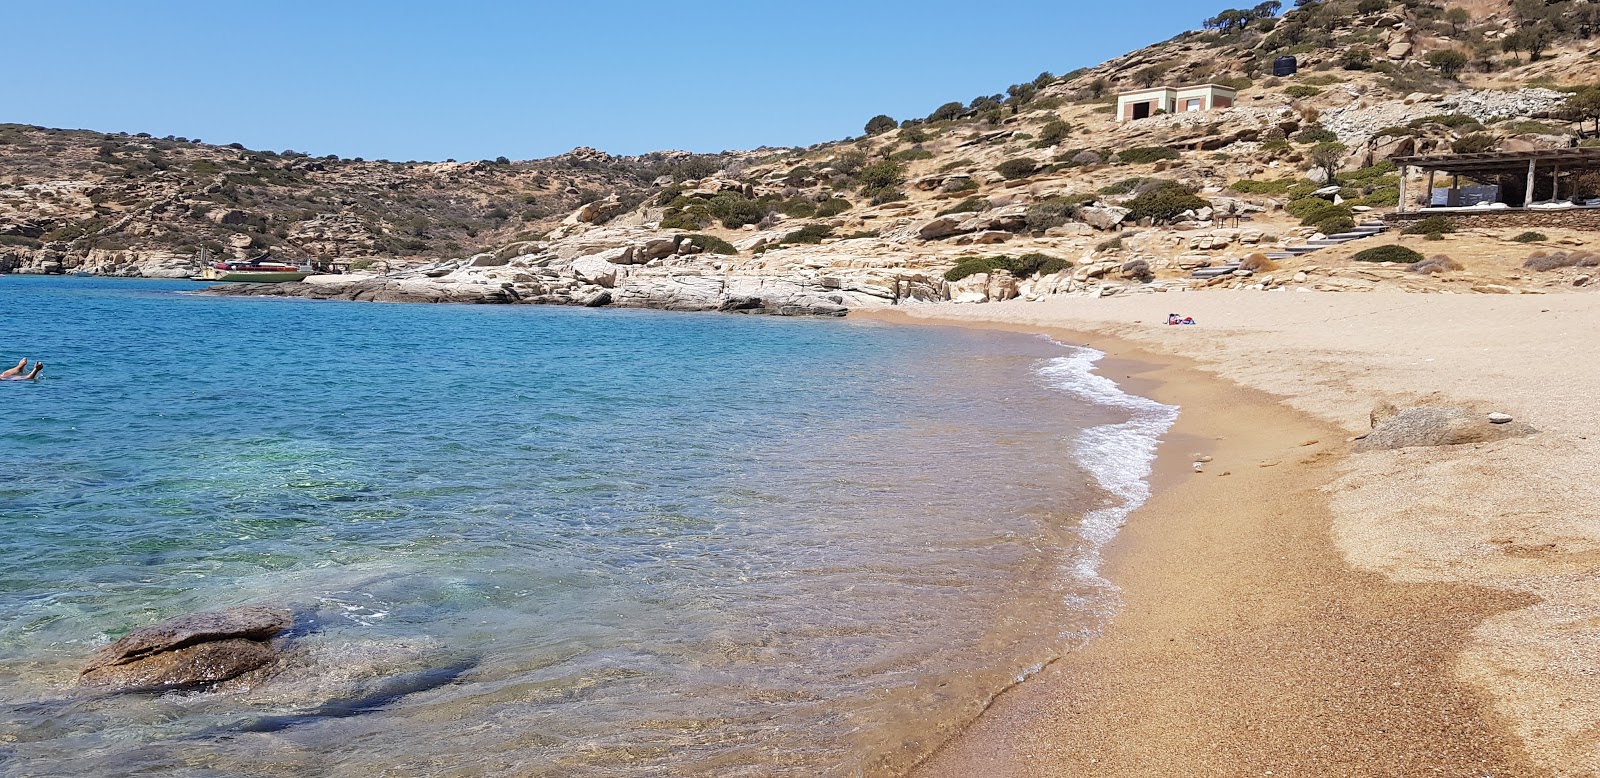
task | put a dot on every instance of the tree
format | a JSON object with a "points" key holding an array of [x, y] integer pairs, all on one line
{"points": [[1515, 43], [1585, 105], [1458, 17], [880, 124], [1329, 155], [1448, 61], [1022, 94], [947, 112]]}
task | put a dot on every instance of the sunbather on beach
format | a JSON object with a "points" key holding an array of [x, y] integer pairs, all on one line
{"points": [[16, 373]]}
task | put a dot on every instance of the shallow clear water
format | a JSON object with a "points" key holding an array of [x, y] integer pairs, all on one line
{"points": [[541, 541]]}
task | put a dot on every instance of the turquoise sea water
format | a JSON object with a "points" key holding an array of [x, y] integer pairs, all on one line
{"points": [[532, 541]]}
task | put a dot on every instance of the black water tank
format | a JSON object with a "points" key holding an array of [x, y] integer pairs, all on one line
{"points": [[1285, 66]]}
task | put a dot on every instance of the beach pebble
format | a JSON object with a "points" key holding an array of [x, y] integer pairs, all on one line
{"points": [[1269, 464], [1199, 467], [1500, 418], [1201, 458]]}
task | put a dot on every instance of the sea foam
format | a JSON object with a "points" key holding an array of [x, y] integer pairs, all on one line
{"points": [[1118, 456]]}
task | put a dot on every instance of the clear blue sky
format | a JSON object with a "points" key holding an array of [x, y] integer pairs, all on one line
{"points": [[472, 79]]}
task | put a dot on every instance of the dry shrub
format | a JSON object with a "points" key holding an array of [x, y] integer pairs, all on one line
{"points": [[1544, 261], [1434, 265], [1258, 263]]}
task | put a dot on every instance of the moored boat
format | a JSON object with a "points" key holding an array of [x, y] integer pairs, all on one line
{"points": [[256, 270]]}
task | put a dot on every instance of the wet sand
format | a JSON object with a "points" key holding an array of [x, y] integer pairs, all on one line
{"points": [[1247, 644]]}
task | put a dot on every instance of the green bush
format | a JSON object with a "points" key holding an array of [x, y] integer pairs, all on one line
{"points": [[1476, 143], [832, 206], [685, 221], [1247, 186], [1531, 237], [735, 210], [1144, 155], [884, 194], [915, 135], [712, 244], [1025, 266], [1302, 91], [1454, 121], [1165, 203], [969, 205], [809, 234], [1014, 169], [1335, 223], [911, 155], [797, 208], [880, 175], [1433, 225], [1396, 132], [1316, 133], [1399, 254], [1053, 133], [1053, 212], [1128, 185], [967, 184], [1115, 244]]}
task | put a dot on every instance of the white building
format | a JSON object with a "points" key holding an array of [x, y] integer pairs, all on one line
{"points": [[1145, 103]]}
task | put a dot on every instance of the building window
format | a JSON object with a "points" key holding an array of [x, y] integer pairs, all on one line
{"points": [[1193, 104]]}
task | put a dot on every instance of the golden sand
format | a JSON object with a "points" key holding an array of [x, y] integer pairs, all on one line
{"points": [[1419, 612]]}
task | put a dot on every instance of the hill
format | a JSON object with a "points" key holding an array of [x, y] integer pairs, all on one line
{"points": [[1035, 191]]}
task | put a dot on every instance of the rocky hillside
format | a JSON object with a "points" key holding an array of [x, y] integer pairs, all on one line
{"points": [[119, 204], [1032, 192]]}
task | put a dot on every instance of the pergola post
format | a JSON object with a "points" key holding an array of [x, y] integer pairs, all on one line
{"points": [[1405, 173], [1555, 184], [1430, 188], [1527, 198]]}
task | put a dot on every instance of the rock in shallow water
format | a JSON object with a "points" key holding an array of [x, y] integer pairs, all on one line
{"points": [[190, 650], [196, 665]]}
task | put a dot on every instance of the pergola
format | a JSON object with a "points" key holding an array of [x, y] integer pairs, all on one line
{"points": [[1502, 164]]}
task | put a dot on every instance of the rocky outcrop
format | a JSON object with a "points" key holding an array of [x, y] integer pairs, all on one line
{"points": [[192, 650]]}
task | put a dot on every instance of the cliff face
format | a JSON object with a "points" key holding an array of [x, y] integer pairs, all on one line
{"points": [[1037, 192]]}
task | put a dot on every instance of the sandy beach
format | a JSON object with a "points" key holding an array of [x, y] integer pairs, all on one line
{"points": [[1302, 609]]}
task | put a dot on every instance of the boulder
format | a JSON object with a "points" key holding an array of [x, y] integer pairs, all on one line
{"points": [[1434, 426], [1104, 217], [658, 248], [597, 210], [942, 227], [191, 650], [228, 216], [595, 270]]}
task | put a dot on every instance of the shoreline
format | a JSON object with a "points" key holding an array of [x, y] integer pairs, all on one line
{"points": [[1241, 619]]}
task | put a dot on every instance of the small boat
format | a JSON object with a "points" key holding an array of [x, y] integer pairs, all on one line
{"points": [[261, 271]]}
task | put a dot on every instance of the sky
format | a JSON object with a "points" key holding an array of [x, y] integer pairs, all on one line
{"points": [[471, 79]]}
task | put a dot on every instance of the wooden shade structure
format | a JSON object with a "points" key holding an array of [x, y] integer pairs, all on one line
{"points": [[1502, 164]]}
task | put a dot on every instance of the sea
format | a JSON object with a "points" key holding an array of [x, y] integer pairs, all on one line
{"points": [[543, 541]]}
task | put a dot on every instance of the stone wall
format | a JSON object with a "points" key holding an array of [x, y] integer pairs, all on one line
{"points": [[1584, 219]]}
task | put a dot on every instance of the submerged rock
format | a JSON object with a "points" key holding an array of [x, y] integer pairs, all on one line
{"points": [[190, 650]]}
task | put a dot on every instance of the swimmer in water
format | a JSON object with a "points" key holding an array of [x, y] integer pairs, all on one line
{"points": [[16, 373]]}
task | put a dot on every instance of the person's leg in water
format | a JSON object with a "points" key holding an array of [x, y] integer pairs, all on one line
{"points": [[34, 376], [16, 371]]}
